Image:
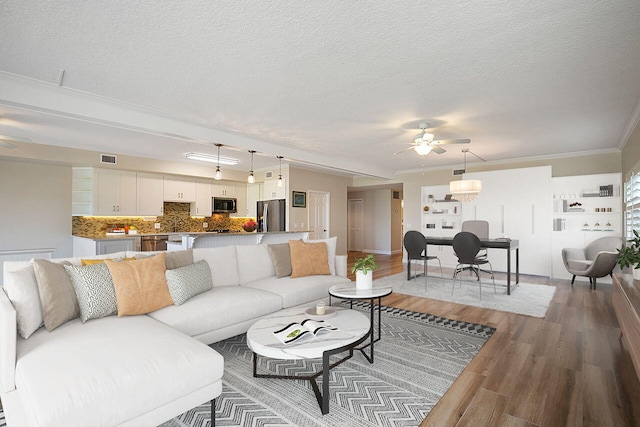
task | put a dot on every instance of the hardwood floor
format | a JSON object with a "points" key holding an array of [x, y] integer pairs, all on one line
{"points": [[568, 369]]}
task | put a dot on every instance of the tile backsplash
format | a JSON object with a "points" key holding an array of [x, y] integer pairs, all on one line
{"points": [[176, 218]]}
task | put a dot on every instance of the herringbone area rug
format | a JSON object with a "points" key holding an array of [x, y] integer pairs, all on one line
{"points": [[416, 361]]}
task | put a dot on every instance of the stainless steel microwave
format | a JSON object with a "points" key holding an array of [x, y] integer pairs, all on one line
{"points": [[224, 205]]}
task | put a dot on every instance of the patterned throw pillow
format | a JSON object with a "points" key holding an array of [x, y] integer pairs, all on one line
{"points": [[189, 281], [94, 289]]}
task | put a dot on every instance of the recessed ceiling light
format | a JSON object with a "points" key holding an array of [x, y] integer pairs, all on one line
{"points": [[211, 158]]}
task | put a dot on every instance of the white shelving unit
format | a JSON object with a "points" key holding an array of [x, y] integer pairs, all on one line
{"points": [[440, 218], [579, 220]]}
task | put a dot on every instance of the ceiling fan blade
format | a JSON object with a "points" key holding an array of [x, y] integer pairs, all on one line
{"points": [[438, 150], [450, 141], [404, 149]]}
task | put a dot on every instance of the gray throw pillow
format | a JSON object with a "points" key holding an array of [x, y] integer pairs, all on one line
{"points": [[281, 258], [94, 289], [57, 296], [189, 281]]}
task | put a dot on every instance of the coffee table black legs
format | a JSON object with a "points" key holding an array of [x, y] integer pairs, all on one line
{"points": [[372, 338], [321, 397]]}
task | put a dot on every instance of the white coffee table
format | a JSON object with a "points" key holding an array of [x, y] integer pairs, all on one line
{"points": [[351, 293], [353, 329]]}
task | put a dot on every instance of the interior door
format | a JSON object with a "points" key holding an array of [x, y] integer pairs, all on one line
{"points": [[355, 226], [318, 207]]}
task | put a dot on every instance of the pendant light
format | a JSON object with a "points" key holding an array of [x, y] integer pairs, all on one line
{"points": [[218, 175], [251, 179], [280, 180], [466, 190]]}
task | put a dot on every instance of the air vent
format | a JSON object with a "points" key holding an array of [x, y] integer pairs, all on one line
{"points": [[459, 171], [396, 195], [268, 174], [109, 159]]}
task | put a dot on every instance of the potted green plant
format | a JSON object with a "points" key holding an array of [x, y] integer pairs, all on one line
{"points": [[363, 269], [630, 255]]}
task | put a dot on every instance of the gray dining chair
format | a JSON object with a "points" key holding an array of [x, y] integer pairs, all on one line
{"points": [[416, 246], [466, 246]]}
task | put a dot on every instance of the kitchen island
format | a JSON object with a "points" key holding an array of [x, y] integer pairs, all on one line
{"points": [[89, 245]]}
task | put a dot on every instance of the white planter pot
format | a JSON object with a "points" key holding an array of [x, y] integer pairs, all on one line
{"points": [[636, 274], [364, 281]]}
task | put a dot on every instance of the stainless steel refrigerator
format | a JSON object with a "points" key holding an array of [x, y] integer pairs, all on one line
{"points": [[271, 215]]}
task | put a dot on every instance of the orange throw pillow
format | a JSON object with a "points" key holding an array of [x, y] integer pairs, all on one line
{"points": [[140, 285], [308, 259]]}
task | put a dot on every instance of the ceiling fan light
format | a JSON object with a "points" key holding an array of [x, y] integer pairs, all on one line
{"points": [[423, 137], [422, 149]]}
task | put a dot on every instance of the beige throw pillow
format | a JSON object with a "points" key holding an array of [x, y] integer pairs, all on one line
{"points": [[281, 258], [57, 296], [140, 285], [308, 259], [177, 259]]}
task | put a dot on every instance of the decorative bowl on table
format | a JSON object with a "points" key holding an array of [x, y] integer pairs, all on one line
{"points": [[250, 226]]}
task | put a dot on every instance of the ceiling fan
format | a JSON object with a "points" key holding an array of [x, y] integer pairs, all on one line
{"points": [[424, 142]]}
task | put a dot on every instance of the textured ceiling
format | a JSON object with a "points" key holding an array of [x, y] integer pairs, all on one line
{"points": [[342, 84]]}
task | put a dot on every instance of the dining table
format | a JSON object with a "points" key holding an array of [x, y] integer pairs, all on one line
{"points": [[501, 243]]}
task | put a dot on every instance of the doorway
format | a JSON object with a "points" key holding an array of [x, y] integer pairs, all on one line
{"points": [[318, 210], [355, 222]]}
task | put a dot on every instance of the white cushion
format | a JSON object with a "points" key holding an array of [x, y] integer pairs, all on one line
{"points": [[299, 290], [218, 308], [254, 263], [222, 262], [331, 251], [22, 289], [137, 365]]}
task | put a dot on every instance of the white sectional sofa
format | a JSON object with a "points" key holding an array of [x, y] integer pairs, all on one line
{"points": [[142, 370]]}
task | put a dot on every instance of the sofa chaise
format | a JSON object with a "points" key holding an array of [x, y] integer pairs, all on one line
{"points": [[142, 370]]}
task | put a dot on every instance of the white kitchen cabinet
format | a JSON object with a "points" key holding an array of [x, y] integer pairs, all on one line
{"points": [[271, 191], [202, 206], [179, 189], [114, 192], [224, 189], [517, 204], [150, 194], [241, 199], [254, 194]]}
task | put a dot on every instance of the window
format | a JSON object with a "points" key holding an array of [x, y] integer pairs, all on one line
{"points": [[632, 205]]}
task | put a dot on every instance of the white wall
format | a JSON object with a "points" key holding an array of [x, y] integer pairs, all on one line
{"points": [[35, 207]]}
